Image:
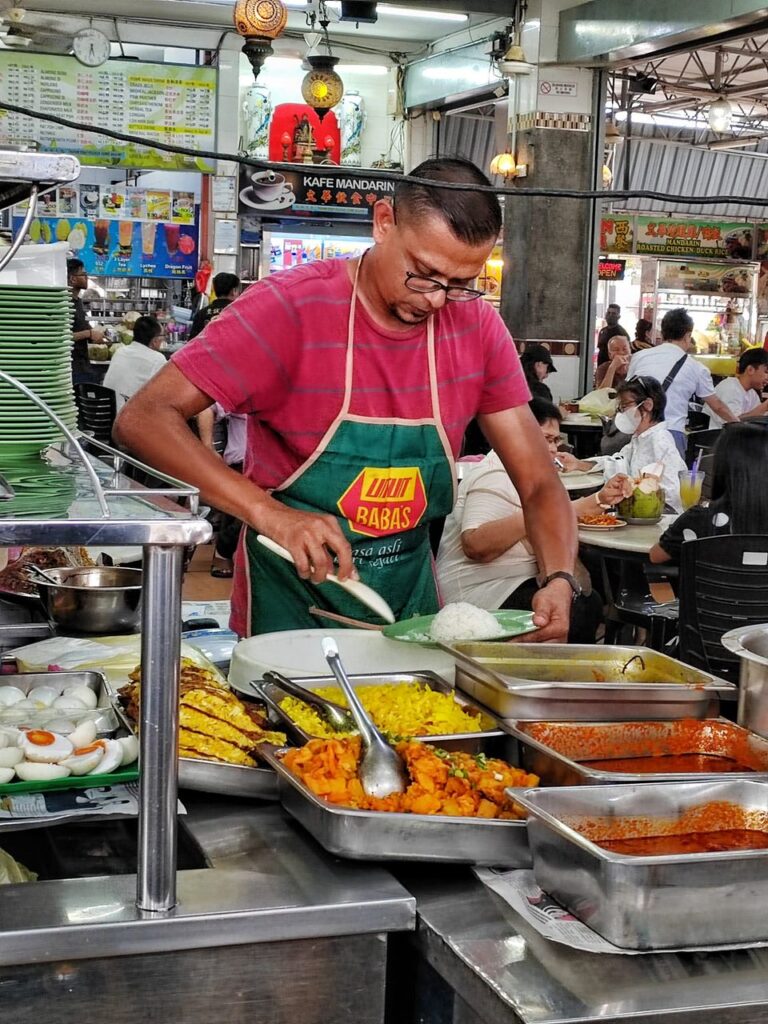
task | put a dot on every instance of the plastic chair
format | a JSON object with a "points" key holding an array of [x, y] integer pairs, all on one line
{"points": [[96, 410], [723, 584]]}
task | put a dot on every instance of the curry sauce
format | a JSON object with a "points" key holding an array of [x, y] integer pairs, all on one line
{"points": [[725, 841]]}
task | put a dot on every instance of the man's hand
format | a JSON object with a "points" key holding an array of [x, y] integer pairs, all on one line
{"points": [[312, 539], [97, 335], [551, 614], [621, 361], [570, 463]]}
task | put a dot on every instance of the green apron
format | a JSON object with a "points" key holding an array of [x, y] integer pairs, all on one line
{"points": [[385, 480]]}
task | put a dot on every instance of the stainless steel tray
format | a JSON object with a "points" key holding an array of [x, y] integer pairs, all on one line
{"points": [[470, 742], [380, 835], [106, 715], [227, 779], [584, 683], [659, 902], [554, 750]]}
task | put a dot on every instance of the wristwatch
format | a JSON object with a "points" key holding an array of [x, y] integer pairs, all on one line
{"points": [[572, 582]]}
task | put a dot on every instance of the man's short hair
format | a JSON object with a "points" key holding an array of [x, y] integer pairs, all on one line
{"points": [[543, 410], [146, 329], [74, 266], [613, 305], [225, 283], [618, 337], [752, 357], [473, 217], [676, 324]]}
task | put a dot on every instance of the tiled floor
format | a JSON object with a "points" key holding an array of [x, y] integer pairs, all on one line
{"points": [[199, 585]]}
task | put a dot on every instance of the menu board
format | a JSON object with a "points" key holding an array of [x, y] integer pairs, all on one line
{"points": [[668, 237], [121, 231], [168, 103]]}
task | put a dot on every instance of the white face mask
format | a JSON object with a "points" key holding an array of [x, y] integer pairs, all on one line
{"points": [[628, 420]]}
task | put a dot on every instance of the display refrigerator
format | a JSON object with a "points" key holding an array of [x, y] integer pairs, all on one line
{"points": [[721, 298]]}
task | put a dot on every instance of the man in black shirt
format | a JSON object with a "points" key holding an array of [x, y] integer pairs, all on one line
{"points": [[611, 329], [82, 332], [227, 288]]}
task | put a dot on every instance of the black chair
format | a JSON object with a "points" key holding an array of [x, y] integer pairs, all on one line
{"points": [[705, 439], [95, 410], [723, 584]]}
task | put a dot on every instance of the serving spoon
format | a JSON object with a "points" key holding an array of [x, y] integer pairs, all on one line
{"points": [[382, 771], [337, 717], [365, 594]]}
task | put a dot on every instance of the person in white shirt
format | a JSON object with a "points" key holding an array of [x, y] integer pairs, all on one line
{"points": [[679, 375], [743, 393], [484, 556], [640, 413], [133, 365]]}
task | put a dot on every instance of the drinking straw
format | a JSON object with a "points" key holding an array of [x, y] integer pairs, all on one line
{"points": [[695, 466]]}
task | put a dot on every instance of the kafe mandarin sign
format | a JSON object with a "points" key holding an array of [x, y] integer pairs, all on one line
{"points": [[382, 501]]}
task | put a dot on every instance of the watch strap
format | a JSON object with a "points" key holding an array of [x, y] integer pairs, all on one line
{"points": [[571, 580]]}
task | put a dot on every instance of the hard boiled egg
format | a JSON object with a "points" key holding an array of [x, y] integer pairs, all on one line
{"points": [[43, 695], [130, 747], [11, 695], [83, 693], [6, 774], [113, 756], [60, 725], [34, 771], [83, 735], [70, 703], [40, 745], [10, 756], [85, 759]]}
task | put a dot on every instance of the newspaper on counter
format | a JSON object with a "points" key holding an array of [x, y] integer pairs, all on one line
{"points": [[554, 922], [23, 810]]}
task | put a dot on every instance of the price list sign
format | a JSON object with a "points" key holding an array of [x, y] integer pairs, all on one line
{"points": [[160, 102]]}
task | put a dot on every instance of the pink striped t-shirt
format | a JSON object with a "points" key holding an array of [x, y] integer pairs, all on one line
{"points": [[277, 354]]}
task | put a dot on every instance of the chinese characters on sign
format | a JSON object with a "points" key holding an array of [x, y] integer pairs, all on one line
{"points": [[665, 236], [316, 192]]}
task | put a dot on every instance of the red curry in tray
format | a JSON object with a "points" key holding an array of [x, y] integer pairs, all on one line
{"points": [[716, 827]]}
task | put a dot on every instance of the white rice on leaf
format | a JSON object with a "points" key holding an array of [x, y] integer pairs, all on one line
{"points": [[463, 621]]}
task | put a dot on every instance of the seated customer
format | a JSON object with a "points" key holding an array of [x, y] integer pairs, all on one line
{"points": [[133, 365], [743, 393], [739, 501], [614, 372], [641, 414], [484, 557], [536, 361]]}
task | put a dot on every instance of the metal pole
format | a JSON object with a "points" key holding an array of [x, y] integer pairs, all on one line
{"points": [[592, 246], [159, 730]]}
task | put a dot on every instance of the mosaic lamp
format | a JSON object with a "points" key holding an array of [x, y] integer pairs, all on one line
{"points": [[260, 22]]}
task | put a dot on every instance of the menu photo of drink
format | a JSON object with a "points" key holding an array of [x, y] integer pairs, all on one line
{"points": [[123, 248]]}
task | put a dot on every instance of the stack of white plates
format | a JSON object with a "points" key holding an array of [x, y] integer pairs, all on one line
{"points": [[35, 347]]}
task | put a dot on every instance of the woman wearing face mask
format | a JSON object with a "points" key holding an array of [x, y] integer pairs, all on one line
{"points": [[641, 403]]}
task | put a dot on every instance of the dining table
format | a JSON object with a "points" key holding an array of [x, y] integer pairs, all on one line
{"points": [[630, 542], [584, 433]]}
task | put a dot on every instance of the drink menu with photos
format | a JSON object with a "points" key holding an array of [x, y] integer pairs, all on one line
{"points": [[168, 103]]}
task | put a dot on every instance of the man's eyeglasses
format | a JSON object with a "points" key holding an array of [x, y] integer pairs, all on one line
{"points": [[425, 285]]}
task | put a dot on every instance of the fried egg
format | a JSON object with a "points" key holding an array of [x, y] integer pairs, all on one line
{"points": [[34, 771], [130, 747], [11, 695], [43, 695], [10, 757], [83, 693], [84, 734], [113, 756], [40, 745], [85, 759]]}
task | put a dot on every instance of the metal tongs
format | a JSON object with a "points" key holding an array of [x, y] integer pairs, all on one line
{"points": [[382, 771], [337, 717]]}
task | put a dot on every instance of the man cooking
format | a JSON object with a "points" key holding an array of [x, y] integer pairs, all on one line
{"points": [[358, 379]]}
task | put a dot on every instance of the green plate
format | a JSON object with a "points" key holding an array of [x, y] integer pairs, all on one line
{"points": [[416, 630], [129, 774]]}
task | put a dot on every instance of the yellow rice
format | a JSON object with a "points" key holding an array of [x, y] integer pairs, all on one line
{"points": [[400, 710]]}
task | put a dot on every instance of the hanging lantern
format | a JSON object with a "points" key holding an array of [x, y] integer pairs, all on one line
{"points": [[260, 22], [322, 88], [720, 115]]}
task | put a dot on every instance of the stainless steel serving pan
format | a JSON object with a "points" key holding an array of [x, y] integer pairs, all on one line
{"points": [[106, 714], [471, 742], [751, 645], [554, 750], [382, 835], [649, 902], [227, 779], [584, 683]]}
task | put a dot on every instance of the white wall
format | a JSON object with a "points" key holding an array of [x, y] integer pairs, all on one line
{"points": [[283, 77]]}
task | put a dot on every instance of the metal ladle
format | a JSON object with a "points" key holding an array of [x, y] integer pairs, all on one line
{"points": [[382, 771]]}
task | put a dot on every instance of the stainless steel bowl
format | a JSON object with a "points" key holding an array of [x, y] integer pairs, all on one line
{"points": [[98, 599], [751, 645]]}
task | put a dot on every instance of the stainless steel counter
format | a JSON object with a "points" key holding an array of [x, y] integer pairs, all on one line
{"points": [[502, 972]]}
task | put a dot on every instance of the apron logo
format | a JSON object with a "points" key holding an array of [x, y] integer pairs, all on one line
{"points": [[383, 501]]}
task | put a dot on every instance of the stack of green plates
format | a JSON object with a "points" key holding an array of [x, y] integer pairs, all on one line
{"points": [[40, 490], [35, 347]]}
